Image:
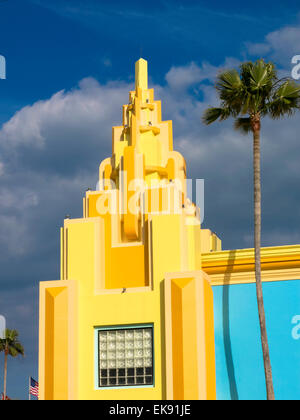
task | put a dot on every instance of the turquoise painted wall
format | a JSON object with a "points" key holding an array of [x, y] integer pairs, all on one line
{"points": [[239, 363]]}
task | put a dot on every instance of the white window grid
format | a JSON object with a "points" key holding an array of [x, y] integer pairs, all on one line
{"points": [[125, 357]]}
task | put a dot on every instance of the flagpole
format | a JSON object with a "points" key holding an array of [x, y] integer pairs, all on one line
{"points": [[29, 396]]}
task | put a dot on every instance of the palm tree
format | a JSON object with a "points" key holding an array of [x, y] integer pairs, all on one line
{"points": [[248, 95], [11, 347]]}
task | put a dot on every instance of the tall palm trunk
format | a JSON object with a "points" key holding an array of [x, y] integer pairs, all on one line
{"points": [[5, 373], [257, 243]]}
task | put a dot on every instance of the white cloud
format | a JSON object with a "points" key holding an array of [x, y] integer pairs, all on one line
{"points": [[89, 104], [182, 77], [281, 45]]}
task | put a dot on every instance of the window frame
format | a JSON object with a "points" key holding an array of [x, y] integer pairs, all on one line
{"points": [[96, 354]]}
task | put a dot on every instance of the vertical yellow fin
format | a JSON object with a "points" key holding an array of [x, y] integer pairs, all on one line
{"points": [[141, 74]]}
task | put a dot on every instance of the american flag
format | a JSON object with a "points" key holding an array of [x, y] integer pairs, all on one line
{"points": [[34, 387]]}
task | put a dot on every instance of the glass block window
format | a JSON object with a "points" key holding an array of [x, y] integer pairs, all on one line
{"points": [[125, 357]]}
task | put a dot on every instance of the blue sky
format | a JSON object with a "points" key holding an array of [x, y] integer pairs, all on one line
{"points": [[50, 45], [70, 65]]}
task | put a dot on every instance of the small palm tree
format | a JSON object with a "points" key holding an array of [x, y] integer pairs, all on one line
{"points": [[247, 96], [11, 346]]}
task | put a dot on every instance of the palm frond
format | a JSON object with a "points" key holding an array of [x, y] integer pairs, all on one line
{"points": [[230, 89], [285, 100], [213, 114], [289, 90], [262, 75], [258, 79], [258, 75], [256, 89], [243, 125], [12, 343], [228, 80]]}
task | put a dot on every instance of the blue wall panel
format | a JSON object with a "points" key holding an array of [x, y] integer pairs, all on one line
{"points": [[239, 363]]}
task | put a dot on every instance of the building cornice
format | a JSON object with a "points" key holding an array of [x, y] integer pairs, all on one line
{"points": [[238, 266]]}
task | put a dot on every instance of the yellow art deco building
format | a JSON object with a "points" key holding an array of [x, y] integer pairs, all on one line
{"points": [[132, 316]]}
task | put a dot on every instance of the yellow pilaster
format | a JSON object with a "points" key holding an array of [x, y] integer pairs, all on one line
{"points": [[190, 337]]}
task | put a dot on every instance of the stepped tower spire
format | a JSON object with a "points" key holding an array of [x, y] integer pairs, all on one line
{"points": [[142, 153], [131, 267]]}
